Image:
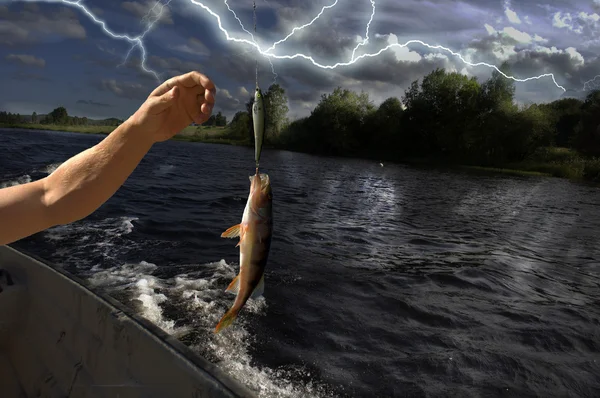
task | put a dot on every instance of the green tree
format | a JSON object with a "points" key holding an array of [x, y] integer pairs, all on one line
{"points": [[220, 120], [498, 91], [384, 127], [58, 116], [239, 125], [34, 117], [441, 114], [337, 122], [211, 121], [587, 134], [276, 108], [565, 115]]}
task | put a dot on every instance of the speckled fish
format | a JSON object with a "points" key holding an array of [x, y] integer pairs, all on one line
{"points": [[255, 242], [258, 121]]}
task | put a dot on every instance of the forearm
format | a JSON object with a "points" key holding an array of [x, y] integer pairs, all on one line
{"points": [[75, 189], [87, 180]]}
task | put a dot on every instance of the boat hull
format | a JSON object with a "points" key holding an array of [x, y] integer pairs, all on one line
{"points": [[60, 337]]}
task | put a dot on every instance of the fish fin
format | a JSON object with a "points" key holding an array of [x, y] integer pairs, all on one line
{"points": [[227, 319], [234, 286], [231, 232], [259, 289], [238, 243]]}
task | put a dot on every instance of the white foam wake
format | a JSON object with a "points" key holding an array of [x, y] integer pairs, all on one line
{"points": [[199, 298], [17, 181], [90, 240], [51, 168]]}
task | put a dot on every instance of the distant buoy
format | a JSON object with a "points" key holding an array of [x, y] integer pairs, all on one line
{"points": [[381, 164]]}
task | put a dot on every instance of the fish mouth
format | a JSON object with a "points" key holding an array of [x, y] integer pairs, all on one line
{"points": [[265, 181]]}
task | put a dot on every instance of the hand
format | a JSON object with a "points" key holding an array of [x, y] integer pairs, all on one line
{"points": [[175, 104]]}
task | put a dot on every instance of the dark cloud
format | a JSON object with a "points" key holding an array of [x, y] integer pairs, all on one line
{"points": [[93, 103], [194, 47], [534, 57], [434, 17], [25, 76], [26, 59], [149, 9], [522, 33], [26, 24], [229, 103], [129, 90], [171, 66], [305, 96]]}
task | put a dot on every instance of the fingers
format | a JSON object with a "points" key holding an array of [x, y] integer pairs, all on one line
{"points": [[163, 102], [192, 79], [163, 88], [205, 101], [188, 80], [206, 109], [209, 95]]}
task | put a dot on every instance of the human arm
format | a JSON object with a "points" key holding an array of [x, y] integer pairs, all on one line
{"points": [[87, 180]]}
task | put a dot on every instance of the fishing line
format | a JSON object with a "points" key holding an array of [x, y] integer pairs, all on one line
{"points": [[256, 57], [258, 108]]}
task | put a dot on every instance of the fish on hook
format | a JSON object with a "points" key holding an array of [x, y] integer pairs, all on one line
{"points": [[254, 232]]}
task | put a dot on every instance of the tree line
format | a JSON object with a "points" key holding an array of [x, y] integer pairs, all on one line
{"points": [[445, 116], [59, 116]]}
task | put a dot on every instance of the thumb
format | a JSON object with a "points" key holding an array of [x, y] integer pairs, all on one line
{"points": [[164, 102]]}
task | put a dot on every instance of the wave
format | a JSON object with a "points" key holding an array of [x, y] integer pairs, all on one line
{"points": [[92, 243], [164, 169], [17, 181], [51, 168], [189, 305]]}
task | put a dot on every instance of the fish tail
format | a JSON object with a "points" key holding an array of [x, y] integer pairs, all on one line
{"points": [[227, 319]]}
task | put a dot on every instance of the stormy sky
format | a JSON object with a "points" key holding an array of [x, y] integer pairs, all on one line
{"points": [[53, 54]]}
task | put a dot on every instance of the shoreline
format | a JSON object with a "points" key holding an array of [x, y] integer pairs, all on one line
{"points": [[519, 170]]}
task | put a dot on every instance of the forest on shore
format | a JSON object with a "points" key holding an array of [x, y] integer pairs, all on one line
{"points": [[445, 118]]}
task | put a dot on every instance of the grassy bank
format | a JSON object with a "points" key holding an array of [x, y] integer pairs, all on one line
{"points": [[190, 133], [208, 135], [562, 162], [546, 161], [55, 127]]}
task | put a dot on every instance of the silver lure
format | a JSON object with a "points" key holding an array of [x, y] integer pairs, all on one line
{"points": [[258, 118]]}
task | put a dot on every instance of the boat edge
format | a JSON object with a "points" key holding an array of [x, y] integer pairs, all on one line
{"points": [[235, 387]]}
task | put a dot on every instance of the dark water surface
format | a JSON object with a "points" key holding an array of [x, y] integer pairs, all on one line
{"points": [[382, 281]]}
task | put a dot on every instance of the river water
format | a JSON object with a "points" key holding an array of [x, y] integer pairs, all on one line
{"points": [[383, 281]]}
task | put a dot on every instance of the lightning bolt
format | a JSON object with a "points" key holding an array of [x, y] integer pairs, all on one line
{"points": [[253, 39], [353, 60], [592, 82], [301, 27], [140, 44], [366, 40], [137, 42]]}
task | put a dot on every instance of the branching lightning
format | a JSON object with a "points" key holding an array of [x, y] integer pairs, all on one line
{"points": [[592, 83], [149, 27], [138, 41], [297, 28], [353, 60], [366, 40], [253, 39]]}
